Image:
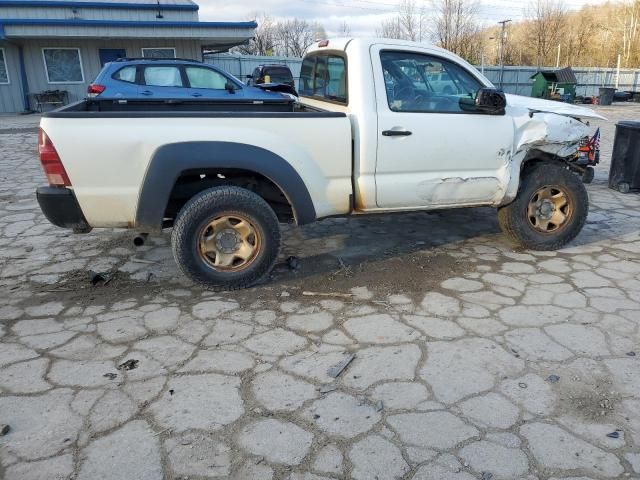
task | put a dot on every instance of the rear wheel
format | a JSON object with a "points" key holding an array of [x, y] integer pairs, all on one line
{"points": [[226, 238], [550, 210]]}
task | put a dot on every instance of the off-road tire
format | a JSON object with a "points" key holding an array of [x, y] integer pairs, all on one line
{"points": [[204, 207], [513, 217]]}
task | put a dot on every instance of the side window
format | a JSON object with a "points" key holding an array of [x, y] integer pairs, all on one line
{"points": [[324, 76], [206, 78], [126, 74], [162, 76], [337, 85], [320, 77], [256, 74], [306, 76], [422, 83]]}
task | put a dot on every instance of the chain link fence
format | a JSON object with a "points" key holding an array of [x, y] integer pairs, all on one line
{"points": [[515, 79]]}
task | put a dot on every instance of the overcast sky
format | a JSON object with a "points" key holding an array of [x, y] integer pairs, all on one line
{"points": [[363, 16]]}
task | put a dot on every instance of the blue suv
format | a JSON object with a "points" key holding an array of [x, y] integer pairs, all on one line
{"points": [[171, 78]]}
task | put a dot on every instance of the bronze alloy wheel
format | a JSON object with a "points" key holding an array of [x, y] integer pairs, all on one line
{"points": [[549, 209], [229, 243]]}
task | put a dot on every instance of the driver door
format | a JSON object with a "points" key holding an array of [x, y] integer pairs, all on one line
{"points": [[431, 153]]}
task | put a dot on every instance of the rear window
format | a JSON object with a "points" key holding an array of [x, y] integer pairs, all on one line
{"points": [[162, 77], [279, 74], [126, 74], [324, 77]]}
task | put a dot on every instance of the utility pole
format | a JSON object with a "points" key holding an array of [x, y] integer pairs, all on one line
{"points": [[503, 35], [558, 57]]}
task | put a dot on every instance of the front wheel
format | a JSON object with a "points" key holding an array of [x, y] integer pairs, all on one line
{"points": [[226, 238], [550, 210]]}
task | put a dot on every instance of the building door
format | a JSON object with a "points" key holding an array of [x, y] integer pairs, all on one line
{"points": [[110, 54]]}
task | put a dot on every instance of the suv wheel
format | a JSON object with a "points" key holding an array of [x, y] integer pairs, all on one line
{"points": [[550, 210], [226, 238]]}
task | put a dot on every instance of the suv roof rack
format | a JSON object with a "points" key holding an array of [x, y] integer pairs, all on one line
{"points": [[131, 59]]}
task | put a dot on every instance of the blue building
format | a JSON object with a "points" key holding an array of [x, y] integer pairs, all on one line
{"points": [[61, 45]]}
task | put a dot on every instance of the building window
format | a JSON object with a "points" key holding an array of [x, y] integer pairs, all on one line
{"points": [[63, 65], [159, 52], [4, 71]]}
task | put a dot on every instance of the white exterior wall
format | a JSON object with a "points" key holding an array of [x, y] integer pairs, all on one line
{"points": [[11, 94]]}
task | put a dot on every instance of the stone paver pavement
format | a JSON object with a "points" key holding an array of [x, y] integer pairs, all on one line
{"points": [[472, 359]]}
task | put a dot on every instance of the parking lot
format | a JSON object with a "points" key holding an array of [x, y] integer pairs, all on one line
{"points": [[416, 346]]}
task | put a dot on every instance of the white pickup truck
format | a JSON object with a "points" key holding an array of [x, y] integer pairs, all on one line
{"points": [[369, 135]]}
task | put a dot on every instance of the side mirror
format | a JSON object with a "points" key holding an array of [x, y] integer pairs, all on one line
{"points": [[489, 101], [230, 87]]}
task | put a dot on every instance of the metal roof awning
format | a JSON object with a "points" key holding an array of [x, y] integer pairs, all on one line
{"points": [[217, 33], [105, 4]]}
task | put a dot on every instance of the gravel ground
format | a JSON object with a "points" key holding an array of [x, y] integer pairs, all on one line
{"points": [[470, 359]]}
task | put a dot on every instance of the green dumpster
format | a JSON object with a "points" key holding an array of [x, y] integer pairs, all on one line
{"points": [[555, 85]]}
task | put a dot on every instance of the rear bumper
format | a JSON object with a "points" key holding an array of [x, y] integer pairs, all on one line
{"points": [[61, 208]]}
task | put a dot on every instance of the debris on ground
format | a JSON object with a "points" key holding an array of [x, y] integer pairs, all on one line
{"points": [[4, 429], [344, 270], [631, 354], [129, 364], [327, 294], [553, 379], [293, 263], [336, 370], [523, 385], [97, 277], [615, 434], [110, 375], [142, 260], [379, 406], [327, 389], [487, 476]]}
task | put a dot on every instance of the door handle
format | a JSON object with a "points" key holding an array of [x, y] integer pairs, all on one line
{"points": [[147, 92], [196, 94], [396, 133]]}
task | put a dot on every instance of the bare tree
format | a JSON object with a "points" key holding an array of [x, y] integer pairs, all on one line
{"points": [[264, 41], [295, 36], [407, 24], [546, 26], [456, 27], [411, 18], [319, 33], [344, 30], [390, 29]]}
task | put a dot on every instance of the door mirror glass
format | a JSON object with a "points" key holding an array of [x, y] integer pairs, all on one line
{"points": [[489, 101]]}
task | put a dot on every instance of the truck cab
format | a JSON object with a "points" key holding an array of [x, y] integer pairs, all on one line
{"points": [[419, 141]]}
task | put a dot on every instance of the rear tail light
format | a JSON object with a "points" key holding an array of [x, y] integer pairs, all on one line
{"points": [[94, 89], [51, 164]]}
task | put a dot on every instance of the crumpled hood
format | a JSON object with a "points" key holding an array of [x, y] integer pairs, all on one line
{"points": [[545, 125], [549, 106]]}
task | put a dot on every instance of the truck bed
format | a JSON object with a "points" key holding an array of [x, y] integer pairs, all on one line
{"points": [[110, 148]]}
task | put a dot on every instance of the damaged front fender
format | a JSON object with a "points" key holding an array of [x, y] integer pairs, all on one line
{"points": [[543, 129]]}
